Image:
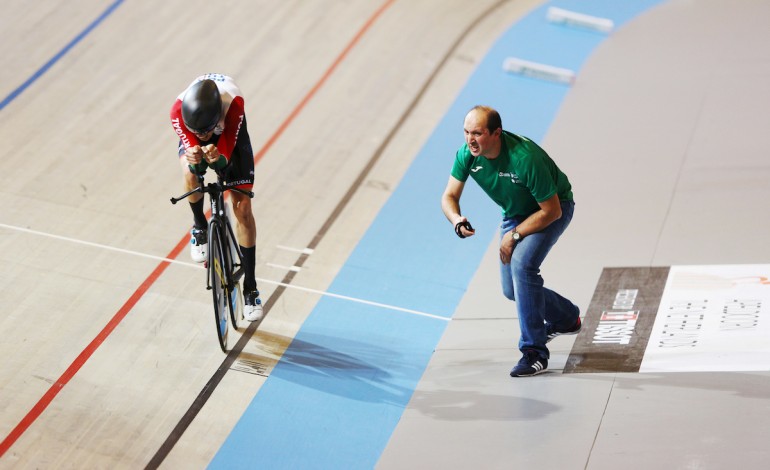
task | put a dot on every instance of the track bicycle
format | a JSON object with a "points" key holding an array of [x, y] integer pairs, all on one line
{"points": [[224, 264]]}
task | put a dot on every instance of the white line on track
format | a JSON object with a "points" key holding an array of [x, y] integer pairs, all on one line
{"points": [[296, 269], [307, 251], [96, 245], [200, 266]]}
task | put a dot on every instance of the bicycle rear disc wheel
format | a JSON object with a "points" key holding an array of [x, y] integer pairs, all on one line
{"points": [[236, 304], [230, 250], [219, 290]]}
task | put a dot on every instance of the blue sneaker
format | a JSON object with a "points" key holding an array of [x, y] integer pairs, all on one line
{"points": [[530, 364], [573, 330]]}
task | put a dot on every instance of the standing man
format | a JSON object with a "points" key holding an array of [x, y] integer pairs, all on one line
{"points": [[536, 200], [210, 121]]}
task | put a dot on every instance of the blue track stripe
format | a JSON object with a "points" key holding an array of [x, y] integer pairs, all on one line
{"points": [[337, 394], [27, 83]]}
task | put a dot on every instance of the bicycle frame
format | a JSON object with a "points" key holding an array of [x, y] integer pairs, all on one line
{"points": [[220, 212], [222, 245]]}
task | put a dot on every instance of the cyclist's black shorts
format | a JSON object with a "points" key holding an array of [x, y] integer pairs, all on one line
{"points": [[240, 170]]}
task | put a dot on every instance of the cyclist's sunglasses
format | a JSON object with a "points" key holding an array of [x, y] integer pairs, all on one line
{"points": [[203, 132]]}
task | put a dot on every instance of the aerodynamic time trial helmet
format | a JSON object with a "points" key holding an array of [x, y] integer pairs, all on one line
{"points": [[202, 107]]}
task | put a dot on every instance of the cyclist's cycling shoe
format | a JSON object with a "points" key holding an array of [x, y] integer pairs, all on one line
{"points": [[199, 244], [252, 306]]}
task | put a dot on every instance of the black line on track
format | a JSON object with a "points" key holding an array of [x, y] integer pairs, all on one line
{"points": [[212, 384]]}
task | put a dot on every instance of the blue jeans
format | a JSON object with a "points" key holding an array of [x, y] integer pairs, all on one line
{"points": [[522, 283]]}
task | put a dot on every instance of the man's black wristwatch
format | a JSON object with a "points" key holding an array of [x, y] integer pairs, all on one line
{"points": [[516, 236]]}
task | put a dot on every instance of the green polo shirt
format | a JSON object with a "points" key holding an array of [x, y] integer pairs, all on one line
{"points": [[518, 179]]}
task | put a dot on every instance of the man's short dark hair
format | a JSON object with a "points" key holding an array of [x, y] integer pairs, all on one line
{"points": [[494, 121]]}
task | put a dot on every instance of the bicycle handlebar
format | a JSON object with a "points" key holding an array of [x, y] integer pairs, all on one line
{"points": [[218, 186]]}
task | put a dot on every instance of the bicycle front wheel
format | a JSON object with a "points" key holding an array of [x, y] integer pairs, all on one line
{"points": [[218, 272]]}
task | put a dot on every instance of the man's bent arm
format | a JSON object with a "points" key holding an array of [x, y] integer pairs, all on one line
{"points": [[450, 200], [550, 211]]}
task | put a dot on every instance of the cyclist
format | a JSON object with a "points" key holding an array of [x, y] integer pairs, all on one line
{"points": [[210, 121]]}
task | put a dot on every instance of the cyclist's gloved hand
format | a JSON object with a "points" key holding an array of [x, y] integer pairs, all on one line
{"points": [[199, 169], [194, 154], [213, 157]]}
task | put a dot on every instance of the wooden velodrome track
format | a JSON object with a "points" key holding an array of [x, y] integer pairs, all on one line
{"points": [[98, 165], [106, 341]]}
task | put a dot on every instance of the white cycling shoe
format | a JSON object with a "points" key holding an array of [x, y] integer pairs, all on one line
{"points": [[252, 306], [199, 244]]}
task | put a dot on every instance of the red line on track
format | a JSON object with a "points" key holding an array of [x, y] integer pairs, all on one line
{"points": [[322, 80], [89, 350], [57, 386]]}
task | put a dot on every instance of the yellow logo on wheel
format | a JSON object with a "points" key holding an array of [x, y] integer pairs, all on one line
{"points": [[218, 270]]}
